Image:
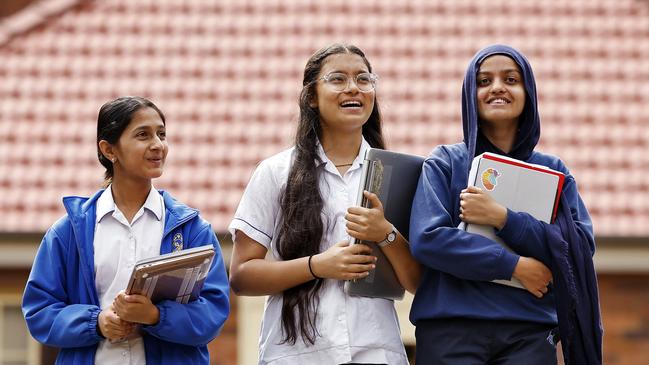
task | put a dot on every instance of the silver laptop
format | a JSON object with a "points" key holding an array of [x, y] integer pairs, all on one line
{"points": [[517, 185], [393, 177], [175, 276]]}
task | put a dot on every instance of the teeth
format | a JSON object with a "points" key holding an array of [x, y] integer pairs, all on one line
{"points": [[351, 103], [498, 101]]}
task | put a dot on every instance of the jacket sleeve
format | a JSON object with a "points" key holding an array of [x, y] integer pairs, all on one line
{"points": [[198, 322], [50, 316], [435, 240], [527, 236]]}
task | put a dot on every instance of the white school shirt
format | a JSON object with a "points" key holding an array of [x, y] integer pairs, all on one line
{"points": [[118, 245], [362, 330]]}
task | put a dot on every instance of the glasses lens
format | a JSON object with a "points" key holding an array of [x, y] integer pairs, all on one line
{"points": [[337, 81], [365, 82]]}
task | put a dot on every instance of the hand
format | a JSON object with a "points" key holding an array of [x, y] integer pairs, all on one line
{"points": [[112, 327], [136, 308], [368, 224], [534, 275], [343, 261], [478, 207]]}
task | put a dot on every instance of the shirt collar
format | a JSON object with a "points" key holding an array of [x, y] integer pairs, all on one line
{"points": [[106, 203], [329, 165]]}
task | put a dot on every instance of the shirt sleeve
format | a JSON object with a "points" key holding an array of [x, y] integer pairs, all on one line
{"points": [[49, 314], [435, 240], [259, 207]]}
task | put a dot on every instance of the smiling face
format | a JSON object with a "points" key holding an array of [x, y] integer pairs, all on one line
{"points": [[345, 110], [501, 92], [142, 148]]}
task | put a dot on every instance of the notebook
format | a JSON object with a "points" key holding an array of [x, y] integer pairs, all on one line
{"points": [[393, 177], [519, 186], [175, 276]]}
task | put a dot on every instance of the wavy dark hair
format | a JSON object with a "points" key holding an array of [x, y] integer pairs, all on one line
{"points": [[301, 225], [114, 116]]}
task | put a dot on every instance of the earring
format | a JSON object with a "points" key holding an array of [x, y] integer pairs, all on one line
{"points": [[113, 160]]}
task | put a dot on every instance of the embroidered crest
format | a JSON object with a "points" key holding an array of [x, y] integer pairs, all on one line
{"points": [[177, 242], [489, 177]]}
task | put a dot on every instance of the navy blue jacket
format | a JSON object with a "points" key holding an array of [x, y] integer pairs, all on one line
{"points": [[61, 305], [459, 264]]}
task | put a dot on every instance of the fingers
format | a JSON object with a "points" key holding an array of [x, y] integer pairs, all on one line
{"points": [[472, 189], [356, 211], [360, 250]]}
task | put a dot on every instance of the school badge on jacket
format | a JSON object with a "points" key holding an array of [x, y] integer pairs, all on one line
{"points": [[177, 242]]}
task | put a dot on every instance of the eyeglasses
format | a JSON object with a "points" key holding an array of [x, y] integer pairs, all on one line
{"points": [[338, 81]]}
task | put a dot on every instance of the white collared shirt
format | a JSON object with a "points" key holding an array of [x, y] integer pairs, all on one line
{"points": [[118, 246], [362, 330]]}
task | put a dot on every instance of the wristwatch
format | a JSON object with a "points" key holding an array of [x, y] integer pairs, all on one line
{"points": [[389, 238]]}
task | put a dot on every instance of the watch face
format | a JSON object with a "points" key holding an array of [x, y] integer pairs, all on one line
{"points": [[392, 236]]}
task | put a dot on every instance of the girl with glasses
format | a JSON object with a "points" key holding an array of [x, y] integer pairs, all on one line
{"points": [[74, 298], [461, 317], [299, 206]]}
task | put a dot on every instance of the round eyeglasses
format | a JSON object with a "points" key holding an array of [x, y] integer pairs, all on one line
{"points": [[338, 81]]}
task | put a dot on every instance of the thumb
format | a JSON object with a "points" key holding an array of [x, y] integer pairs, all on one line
{"points": [[473, 189], [344, 243], [374, 200]]}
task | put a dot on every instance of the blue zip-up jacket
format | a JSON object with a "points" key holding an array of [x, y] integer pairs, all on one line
{"points": [[61, 305], [460, 265]]}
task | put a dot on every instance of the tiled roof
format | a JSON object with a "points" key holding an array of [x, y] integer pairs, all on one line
{"points": [[227, 74]]}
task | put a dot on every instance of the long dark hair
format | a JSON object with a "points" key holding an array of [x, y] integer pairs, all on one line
{"points": [[114, 116], [301, 226]]}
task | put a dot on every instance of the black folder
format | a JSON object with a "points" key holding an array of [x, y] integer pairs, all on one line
{"points": [[393, 176]]}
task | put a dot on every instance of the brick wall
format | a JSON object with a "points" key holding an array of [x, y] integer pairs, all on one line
{"points": [[624, 301]]}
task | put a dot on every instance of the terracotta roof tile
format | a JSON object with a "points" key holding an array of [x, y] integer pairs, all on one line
{"points": [[227, 74]]}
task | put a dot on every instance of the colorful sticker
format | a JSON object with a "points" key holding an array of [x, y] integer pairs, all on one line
{"points": [[489, 178]]}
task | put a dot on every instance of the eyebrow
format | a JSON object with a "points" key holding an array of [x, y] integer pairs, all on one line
{"points": [[354, 72], [148, 127], [502, 71]]}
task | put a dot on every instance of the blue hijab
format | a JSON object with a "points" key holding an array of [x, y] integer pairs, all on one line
{"points": [[529, 124], [574, 277]]}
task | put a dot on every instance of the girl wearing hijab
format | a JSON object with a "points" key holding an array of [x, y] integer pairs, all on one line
{"points": [[461, 317], [298, 208]]}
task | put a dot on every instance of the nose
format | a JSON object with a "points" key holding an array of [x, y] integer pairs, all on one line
{"points": [[157, 143], [352, 87], [497, 85]]}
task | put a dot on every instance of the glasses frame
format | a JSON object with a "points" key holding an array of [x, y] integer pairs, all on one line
{"points": [[373, 80]]}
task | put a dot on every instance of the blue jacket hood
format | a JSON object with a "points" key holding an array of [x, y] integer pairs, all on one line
{"points": [[529, 121]]}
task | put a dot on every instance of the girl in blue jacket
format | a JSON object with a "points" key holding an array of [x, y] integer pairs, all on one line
{"points": [[74, 299], [461, 317]]}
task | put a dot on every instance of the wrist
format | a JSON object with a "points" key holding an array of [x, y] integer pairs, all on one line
{"points": [[310, 263], [501, 218], [389, 238], [154, 318]]}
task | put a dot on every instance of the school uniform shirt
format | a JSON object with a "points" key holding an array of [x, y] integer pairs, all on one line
{"points": [[351, 329], [118, 245], [61, 300]]}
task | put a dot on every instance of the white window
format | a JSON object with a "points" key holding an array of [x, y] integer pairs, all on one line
{"points": [[17, 347]]}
